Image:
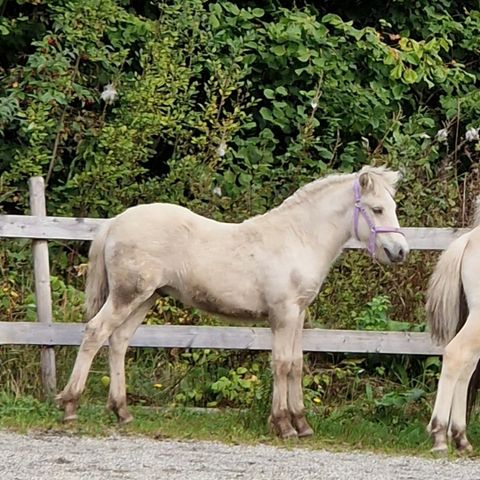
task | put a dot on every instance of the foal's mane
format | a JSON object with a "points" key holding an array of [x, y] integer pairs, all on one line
{"points": [[379, 176]]}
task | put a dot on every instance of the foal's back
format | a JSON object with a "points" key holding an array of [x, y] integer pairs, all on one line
{"points": [[223, 268]]}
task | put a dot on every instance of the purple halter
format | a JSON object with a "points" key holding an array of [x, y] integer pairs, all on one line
{"points": [[374, 230]]}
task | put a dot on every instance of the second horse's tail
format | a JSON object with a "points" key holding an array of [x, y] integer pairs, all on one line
{"points": [[446, 305]]}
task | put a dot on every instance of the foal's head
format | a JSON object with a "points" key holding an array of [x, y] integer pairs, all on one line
{"points": [[375, 221]]}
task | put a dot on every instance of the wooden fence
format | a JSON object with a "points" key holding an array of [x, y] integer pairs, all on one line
{"points": [[41, 228]]}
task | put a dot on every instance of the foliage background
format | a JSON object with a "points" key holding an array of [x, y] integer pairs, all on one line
{"points": [[227, 108]]}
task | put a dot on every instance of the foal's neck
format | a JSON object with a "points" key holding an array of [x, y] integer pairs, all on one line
{"points": [[321, 213]]}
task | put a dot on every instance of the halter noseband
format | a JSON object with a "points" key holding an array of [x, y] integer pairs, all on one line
{"points": [[374, 230]]}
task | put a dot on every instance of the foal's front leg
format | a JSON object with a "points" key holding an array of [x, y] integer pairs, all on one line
{"points": [[295, 387], [284, 324]]}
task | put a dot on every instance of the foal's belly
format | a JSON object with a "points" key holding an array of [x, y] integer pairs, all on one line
{"points": [[220, 305]]}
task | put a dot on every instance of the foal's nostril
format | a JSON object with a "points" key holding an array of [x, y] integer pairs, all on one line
{"points": [[388, 253], [398, 256]]}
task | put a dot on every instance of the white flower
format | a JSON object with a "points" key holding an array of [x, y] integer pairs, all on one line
{"points": [[424, 135], [222, 149], [472, 135], [442, 135], [217, 191], [366, 143], [314, 104], [109, 94]]}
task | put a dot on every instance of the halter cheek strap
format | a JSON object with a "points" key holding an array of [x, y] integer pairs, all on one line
{"points": [[374, 230]]}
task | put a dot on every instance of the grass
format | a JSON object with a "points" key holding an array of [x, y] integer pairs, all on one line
{"points": [[345, 428]]}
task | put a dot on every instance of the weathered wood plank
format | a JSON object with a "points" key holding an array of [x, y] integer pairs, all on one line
{"points": [[49, 228], [43, 296], [68, 228], [242, 338]]}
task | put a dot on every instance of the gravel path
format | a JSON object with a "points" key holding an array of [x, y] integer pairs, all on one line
{"points": [[64, 457]]}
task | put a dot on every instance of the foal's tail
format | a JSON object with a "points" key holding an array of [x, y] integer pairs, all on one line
{"points": [[446, 304], [96, 291]]}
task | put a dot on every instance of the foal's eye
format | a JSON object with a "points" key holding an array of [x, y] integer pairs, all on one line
{"points": [[377, 210]]}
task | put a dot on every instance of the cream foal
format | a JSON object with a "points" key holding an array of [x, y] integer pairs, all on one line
{"points": [[270, 266]]}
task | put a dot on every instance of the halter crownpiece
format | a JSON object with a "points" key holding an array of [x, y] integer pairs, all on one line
{"points": [[374, 230]]}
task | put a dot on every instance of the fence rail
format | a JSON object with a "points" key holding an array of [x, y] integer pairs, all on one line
{"points": [[41, 228], [70, 228]]}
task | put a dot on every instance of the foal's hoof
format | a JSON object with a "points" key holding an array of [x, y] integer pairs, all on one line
{"points": [[69, 408], [306, 432], [439, 450], [283, 428], [121, 412], [302, 427], [69, 412], [292, 433], [125, 419], [69, 418], [464, 450]]}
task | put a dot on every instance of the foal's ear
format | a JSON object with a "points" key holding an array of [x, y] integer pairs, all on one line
{"points": [[366, 181]]}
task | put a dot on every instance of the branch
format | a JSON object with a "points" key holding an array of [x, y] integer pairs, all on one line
{"points": [[60, 128]]}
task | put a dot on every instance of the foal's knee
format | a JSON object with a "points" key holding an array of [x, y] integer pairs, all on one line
{"points": [[281, 368], [297, 367]]}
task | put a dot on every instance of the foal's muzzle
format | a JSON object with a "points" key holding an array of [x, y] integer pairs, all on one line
{"points": [[395, 254]]}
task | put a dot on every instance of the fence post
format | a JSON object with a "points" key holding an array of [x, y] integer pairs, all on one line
{"points": [[43, 294]]}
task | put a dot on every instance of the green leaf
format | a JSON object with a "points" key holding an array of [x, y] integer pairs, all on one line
{"points": [[332, 19], [278, 50], [214, 21], [266, 114], [440, 74], [269, 93], [231, 7], [410, 76], [325, 153], [397, 71]]}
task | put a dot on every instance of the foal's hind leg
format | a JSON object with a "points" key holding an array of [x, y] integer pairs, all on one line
{"points": [[296, 406], [98, 329], [119, 340], [459, 360]]}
